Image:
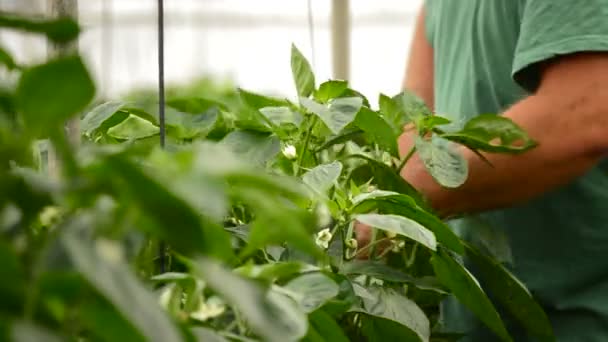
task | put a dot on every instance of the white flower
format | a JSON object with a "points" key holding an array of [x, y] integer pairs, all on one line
{"points": [[352, 243], [323, 237], [213, 307], [398, 246], [390, 235], [289, 152]]}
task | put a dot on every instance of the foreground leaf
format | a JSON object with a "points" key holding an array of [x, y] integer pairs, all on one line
{"points": [[22, 331], [466, 288], [61, 30], [445, 164], [303, 75], [112, 279], [176, 221], [401, 226], [207, 335], [51, 93], [6, 59], [513, 295], [270, 315]]}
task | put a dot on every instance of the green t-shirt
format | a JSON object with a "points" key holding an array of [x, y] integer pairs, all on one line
{"points": [[485, 52]]}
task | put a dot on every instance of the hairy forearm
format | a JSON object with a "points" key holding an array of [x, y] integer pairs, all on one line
{"points": [[569, 132]]}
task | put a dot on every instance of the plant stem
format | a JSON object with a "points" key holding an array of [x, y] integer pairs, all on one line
{"points": [[406, 159], [313, 122], [370, 245]]}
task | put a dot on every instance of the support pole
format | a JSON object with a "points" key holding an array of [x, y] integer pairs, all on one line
{"points": [[340, 34], [162, 249], [64, 8]]}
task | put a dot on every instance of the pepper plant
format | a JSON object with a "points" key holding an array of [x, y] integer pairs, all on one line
{"points": [[257, 200]]}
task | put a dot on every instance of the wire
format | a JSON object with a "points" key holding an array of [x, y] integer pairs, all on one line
{"points": [[311, 33], [161, 71]]}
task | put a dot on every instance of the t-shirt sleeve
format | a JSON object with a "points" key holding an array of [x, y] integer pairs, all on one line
{"points": [[552, 28], [429, 21]]}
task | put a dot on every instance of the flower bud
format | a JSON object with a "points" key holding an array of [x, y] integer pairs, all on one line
{"points": [[289, 152]]}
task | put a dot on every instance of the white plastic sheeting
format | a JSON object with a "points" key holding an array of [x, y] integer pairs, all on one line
{"points": [[247, 41]]}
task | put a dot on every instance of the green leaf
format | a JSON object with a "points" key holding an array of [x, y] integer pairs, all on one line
{"points": [[345, 136], [282, 115], [330, 90], [389, 202], [490, 239], [272, 316], [94, 119], [432, 121], [277, 223], [6, 59], [444, 163], [207, 335], [377, 130], [513, 295], [111, 277], [323, 328], [391, 112], [51, 93], [61, 30], [339, 114], [493, 133], [190, 126], [384, 272], [323, 177], [303, 75], [466, 288], [390, 305], [257, 148], [258, 101], [349, 92], [401, 226], [22, 331], [133, 128], [388, 179], [412, 106], [312, 290]]}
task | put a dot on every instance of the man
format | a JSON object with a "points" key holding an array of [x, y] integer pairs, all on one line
{"points": [[543, 64]]}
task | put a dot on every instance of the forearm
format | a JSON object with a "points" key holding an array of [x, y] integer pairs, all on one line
{"points": [[571, 134]]}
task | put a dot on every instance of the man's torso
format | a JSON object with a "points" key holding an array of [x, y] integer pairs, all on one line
{"points": [[559, 241]]}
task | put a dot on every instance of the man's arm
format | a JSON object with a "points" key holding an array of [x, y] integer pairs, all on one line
{"points": [[568, 116], [419, 70]]}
